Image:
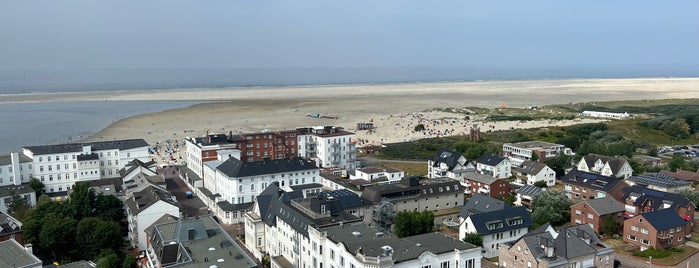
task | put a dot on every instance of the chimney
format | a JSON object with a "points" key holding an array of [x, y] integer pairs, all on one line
{"points": [[29, 248]]}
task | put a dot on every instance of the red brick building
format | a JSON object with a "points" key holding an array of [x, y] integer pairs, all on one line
{"points": [[638, 199], [580, 185], [595, 211], [486, 185], [658, 229]]}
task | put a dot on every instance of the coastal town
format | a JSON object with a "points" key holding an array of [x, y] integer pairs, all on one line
{"points": [[307, 197]]}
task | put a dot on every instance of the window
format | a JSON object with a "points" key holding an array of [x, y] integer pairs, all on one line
{"points": [[644, 231], [58, 158], [577, 212], [590, 216], [634, 228], [252, 187], [240, 189], [632, 237], [444, 265]]}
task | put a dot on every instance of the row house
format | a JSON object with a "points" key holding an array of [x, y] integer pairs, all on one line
{"points": [[658, 229], [660, 181], [328, 147], [496, 227], [145, 207], [519, 152], [638, 199], [572, 246], [60, 166], [476, 183], [605, 165], [594, 212], [580, 185], [531, 172], [493, 165], [449, 164]]}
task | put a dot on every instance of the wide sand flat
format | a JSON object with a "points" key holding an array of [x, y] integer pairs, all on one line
{"points": [[394, 108]]}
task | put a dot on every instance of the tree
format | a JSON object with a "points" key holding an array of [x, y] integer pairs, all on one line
{"points": [[94, 234], [638, 167], [37, 186], [541, 184], [677, 162], [57, 235], [676, 128], [413, 223], [81, 201], [18, 207], [419, 127], [691, 195], [535, 157], [109, 208], [107, 259], [474, 238], [609, 226], [550, 206], [559, 164]]}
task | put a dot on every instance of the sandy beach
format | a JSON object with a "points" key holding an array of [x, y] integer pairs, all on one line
{"points": [[393, 108]]}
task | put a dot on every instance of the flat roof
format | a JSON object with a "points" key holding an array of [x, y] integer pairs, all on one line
{"points": [[12, 254]]}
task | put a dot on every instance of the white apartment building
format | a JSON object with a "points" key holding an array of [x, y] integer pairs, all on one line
{"points": [[60, 166], [448, 164], [518, 152], [145, 207], [496, 227], [328, 146], [605, 165], [532, 172], [493, 165], [378, 174], [15, 169]]}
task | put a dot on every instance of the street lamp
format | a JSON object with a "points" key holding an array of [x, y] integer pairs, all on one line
{"points": [[650, 261]]}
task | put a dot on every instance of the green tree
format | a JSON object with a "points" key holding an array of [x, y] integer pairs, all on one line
{"points": [[57, 236], [37, 186], [82, 200], [109, 208], [18, 207], [107, 258], [559, 164], [129, 261], [540, 184], [638, 167], [94, 234], [419, 127], [413, 223], [677, 162], [550, 206], [676, 128], [691, 195], [610, 226], [474, 239], [535, 157]]}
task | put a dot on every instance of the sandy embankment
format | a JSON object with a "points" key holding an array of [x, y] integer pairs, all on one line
{"points": [[394, 108]]}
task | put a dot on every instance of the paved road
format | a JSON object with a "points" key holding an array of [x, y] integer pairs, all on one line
{"points": [[188, 206]]}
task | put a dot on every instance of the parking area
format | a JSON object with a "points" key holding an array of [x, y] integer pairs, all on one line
{"points": [[690, 151], [188, 206]]}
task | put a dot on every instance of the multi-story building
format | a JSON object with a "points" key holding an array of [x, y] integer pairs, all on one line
{"points": [[594, 212], [580, 185], [476, 183], [443, 196], [493, 165], [659, 181], [15, 169], [638, 199], [328, 146], [378, 174], [573, 246], [13, 254], [192, 242], [247, 147], [448, 164], [605, 165], [521, 151], [23, 191], [657, 229], [496, 227], [60, 166], [145, 207], [10, 228], [532, 172]]}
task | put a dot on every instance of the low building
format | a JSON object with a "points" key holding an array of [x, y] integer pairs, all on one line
{"points": [[24, 191], [683, 175], [657, 229], [526, 194], [572, 246], [493, 165], [532, 172], [594, 212], [580, 185], [476, 183], [519, 152], [374, 174], [449, 164], [648, 160], [660, 182], [144, 207], [11, 228], [609, 115], [496, 227], [13, 254], [638, 199], [193, 242], [605, 165]]}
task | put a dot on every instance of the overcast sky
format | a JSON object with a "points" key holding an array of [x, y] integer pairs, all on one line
{"points": [[348, 34]]}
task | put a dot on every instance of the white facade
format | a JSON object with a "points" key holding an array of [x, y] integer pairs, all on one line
{"points": [[519, 152], [141, 220], [371, 174], [545, 174], [502, 170], [59, 171], [15, 169], [328, 150], [606, 115], [491, 242], [238, 190], [603, 168]]}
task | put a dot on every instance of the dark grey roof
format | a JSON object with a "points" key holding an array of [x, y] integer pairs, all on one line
{"points": [[347, 198], [86, 157], [411, 188], [482, 178], [236, 168], [530, 167], [614, 163], [78, 264], [571, 241], [490, 160], [590, 180], [227, 206], [450, 158], [78, 147], [606, 205], [480, 203], [529, 190], [6, 159], [14, 254], [7, 190], [658, 179], [505, 220], [306, 186], [664, 219], [657, 198], [147, 197]]}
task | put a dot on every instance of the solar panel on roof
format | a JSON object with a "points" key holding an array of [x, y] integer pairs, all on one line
{"points": [[654, 193]]}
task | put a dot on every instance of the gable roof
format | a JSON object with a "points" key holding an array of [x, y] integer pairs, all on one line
{"points": [[480, 203], [615, 163], [143, 199], [571, 241], [490, 160], [78, 147], [529, 190], [591, 180], [235, 168], [530, 167], [504, 220], [682, 175], [605, 206], [482, 178], [450, 158], [663, 219], [657, 198]]}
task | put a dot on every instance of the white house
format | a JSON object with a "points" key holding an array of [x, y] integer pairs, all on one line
{"points": [[532, 172], [328, 146], [378, 174], [518, 152], [144, 207], [493, 165], [15, 172], [605, 165], [623, 115], [448, 164], [60, 166]]}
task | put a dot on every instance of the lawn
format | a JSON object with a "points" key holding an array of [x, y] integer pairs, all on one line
{"points": [[410, 169], [622, 248]]}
